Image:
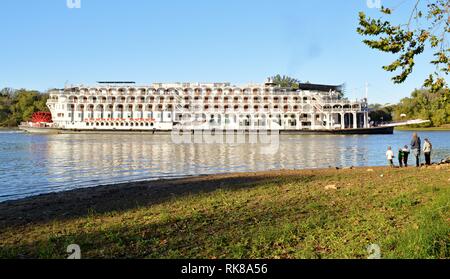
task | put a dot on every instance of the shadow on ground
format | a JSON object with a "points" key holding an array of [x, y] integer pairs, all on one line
{"points": [[117, 198]]}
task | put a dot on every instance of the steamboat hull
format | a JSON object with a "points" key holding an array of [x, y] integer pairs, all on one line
{"points": [[362, 131], [367, 131]]}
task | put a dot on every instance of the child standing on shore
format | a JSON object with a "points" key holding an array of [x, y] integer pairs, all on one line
{"points": [[390, 156], [401, 156], [406, 152]]}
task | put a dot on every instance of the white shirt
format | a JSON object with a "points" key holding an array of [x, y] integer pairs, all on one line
{"points": [[390, 154], [427, 147]]}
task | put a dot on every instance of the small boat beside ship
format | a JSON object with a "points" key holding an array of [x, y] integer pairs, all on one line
{"points": [[41, 123], [39, 128]]}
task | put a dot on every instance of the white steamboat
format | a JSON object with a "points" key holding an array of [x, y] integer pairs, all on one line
{"points": [[164, 107]]}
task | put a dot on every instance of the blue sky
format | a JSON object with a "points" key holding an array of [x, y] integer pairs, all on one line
{"points": [[44, 44]]}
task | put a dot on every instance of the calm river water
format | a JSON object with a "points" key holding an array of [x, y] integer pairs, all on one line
{"points": [[37, 164]]}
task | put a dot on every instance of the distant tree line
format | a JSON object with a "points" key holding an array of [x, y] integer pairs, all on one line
{"points": [[426, 105], [17, 106], [423, 104]]}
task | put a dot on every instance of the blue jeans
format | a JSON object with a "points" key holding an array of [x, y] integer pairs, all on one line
{"points": [[416, 153]]}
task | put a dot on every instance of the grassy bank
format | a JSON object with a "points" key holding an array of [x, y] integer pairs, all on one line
{"points": [[420, 128], [285, 214]]}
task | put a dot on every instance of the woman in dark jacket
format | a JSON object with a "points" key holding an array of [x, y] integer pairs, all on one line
{"points": [[416, 148]]}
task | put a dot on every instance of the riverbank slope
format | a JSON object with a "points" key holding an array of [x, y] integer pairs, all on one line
{"points": [[282, 214], [424, 129]]}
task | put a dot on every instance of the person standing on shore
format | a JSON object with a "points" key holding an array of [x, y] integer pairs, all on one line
{"points": [[406, 152], [427, 148], [390, 157], [400, 157], [416, 148]]}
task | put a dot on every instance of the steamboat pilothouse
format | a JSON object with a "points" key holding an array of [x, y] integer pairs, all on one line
{"points": [[164, 107]]}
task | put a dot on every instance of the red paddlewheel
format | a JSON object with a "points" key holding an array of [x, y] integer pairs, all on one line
{"points": [[42, 117]]}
